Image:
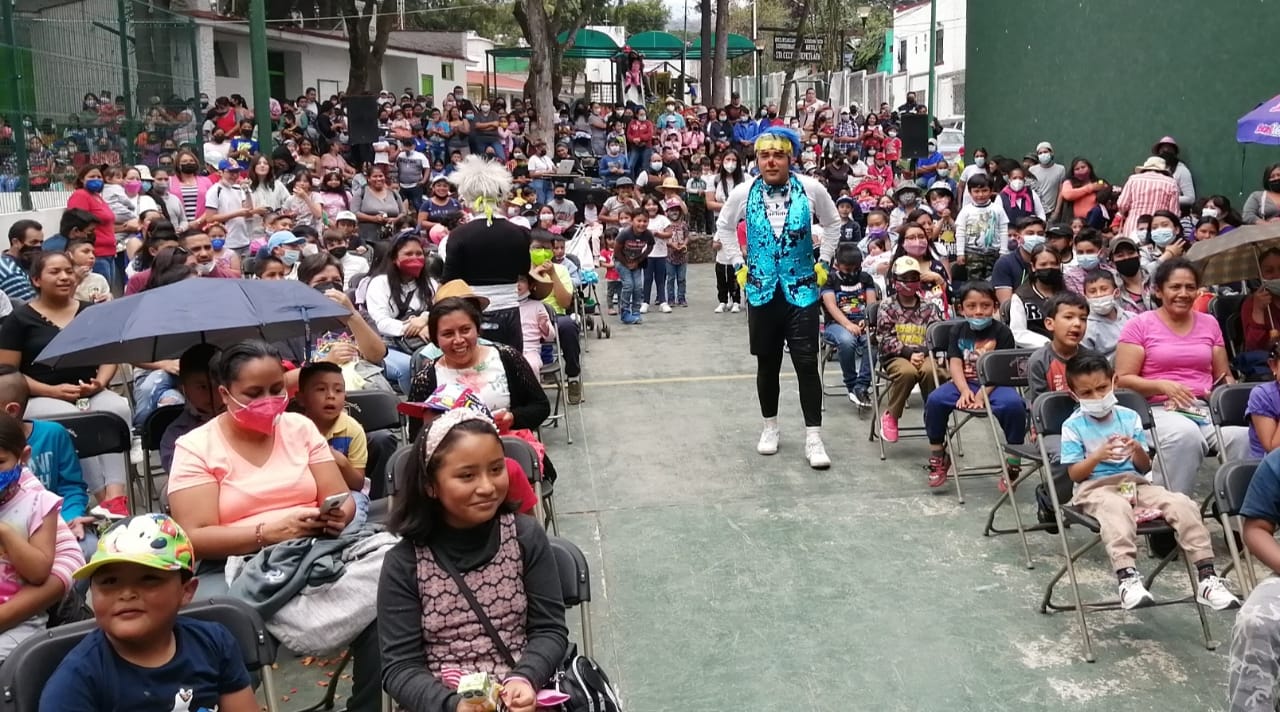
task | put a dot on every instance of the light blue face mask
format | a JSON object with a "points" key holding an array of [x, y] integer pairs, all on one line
{"points": [[978, 323], [1031, 242], [1161, 236], [1086, 261]]}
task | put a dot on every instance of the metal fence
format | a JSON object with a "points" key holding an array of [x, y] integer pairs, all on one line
{"points": [[90, 82], [838, 88]]}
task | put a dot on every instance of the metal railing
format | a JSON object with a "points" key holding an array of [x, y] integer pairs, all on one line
{"points": [[89, 82]]}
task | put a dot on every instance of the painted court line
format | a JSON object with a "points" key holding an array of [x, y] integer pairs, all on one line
{"points": [[680, 379]]}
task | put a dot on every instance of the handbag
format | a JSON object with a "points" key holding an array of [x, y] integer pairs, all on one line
{"points": [[578, 676]]}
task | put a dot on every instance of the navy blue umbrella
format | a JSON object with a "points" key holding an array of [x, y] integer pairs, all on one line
{"points": [[162, 323]]}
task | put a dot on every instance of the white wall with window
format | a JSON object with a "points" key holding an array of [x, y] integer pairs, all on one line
{"points": [[910, 49]]}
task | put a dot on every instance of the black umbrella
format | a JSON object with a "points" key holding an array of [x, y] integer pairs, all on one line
{"points": [[162, 323]]}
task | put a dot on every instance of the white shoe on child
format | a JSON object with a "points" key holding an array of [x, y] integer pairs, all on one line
{"points": [[719, 309], [644, 307], [735, 308], [1212, 592], [664, 308], [1134, 594]]}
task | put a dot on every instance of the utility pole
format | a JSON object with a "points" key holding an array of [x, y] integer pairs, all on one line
{"points": [[755, 56], [261, 77], [933, 60], [684, 52]]}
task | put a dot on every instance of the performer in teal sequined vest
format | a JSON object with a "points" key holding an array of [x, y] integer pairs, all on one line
{"points": [[781, 279]]}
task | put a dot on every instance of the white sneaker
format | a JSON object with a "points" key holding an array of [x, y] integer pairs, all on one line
{"points": [[1133, 594], [719, 309], [664, 308], [735, 308], [768, 444], [1213, 592], [135, 450], [816, 452], [644, 307]]}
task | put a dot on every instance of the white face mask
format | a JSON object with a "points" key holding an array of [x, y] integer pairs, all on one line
{"points": [[1098, 407], [1102, 305], [730, 166], [310, 249], [980, 161], [205, 267], [1209, 212], [1016, 184]]}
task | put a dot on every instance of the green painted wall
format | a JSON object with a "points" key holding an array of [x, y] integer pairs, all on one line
{"points": [[1104, 80]]}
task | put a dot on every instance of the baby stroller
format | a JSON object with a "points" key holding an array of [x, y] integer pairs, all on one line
{"points": [[580, 149], [581, 247]]}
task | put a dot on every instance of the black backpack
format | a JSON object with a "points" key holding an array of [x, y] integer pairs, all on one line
{"points": [[587, 685]]}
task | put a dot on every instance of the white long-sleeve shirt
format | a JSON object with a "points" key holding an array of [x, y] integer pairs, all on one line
{"points": [[822, 207], [383, 311], [984, 227]]}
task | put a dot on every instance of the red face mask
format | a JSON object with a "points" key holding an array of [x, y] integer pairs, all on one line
{"points": [[411, 266], [259, 415]]}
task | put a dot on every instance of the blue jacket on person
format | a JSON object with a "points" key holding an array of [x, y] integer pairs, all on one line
{"points": [[745, 132]]}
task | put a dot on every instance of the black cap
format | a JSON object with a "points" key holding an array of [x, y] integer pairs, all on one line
{"points": [[1058, 230]]}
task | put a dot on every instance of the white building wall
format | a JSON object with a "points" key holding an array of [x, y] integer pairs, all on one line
{"points": [[911, 27]]}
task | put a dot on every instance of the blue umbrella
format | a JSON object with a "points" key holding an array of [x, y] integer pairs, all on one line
{"points": [[162, 323], [1262, 125]]}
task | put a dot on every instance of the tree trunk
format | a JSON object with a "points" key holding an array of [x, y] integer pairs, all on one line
{"points": [[706, 77], [719, 62], [788, 80], [532, 18], [365, 56]]}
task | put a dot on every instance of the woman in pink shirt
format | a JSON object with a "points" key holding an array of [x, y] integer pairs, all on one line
{"points": [[1174, 356], [255, 476]]}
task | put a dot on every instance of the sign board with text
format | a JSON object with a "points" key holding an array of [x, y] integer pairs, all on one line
{"points": [[790, 48]]}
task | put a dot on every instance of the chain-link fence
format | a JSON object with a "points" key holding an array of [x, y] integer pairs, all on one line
{"points": [[90, 82]]}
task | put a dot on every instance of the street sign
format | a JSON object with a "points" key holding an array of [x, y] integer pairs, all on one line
{"points": [[789, 48]]}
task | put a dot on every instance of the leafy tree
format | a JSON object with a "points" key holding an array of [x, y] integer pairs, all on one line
{"points": [[642, 16], [541, 25]]}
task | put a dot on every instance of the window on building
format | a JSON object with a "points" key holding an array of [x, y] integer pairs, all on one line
{"points": [[902, 56], [226, 61], [446, 71], [937, 39]]}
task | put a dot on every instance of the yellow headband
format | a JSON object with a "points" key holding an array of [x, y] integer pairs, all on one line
{"points": [[774, 142]]}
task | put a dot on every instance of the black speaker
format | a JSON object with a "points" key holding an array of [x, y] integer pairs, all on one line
{"points": [[915, 135], [362, 119]]}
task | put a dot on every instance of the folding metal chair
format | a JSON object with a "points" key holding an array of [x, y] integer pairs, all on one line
{"points": [[1227, 407], [524, 454], [28, 668], [1230, 484], [1007, 368], [937, 337], [880, 380], [558, 380], [97, 433], [152, 433], [575, 584], [1048, 413], [376, 410]]}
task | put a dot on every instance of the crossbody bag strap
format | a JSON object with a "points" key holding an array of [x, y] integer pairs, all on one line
{"points": [[475, 606]]}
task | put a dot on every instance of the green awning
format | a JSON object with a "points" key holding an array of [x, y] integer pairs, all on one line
{"points": [[587, 44], [739, 46], [656, 45]]}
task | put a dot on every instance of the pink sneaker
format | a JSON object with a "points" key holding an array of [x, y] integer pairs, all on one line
{"points": [[889, 427]]}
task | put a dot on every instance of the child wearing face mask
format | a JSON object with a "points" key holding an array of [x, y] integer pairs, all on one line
{"points": [[980, 229], [1087, 247], [1105, 451]]}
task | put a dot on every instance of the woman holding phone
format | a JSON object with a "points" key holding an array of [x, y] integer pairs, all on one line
{"points": [[255, 476]]}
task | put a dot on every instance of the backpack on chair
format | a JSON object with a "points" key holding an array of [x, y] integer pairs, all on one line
{"points": [[587, 686]]}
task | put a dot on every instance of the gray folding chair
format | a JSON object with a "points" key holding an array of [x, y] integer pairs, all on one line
{"points": [[554, 376], [376, 410], [1007, 368], [1230, 484], [1227, 407], [880, 381], [152, 433], [575, 584], [28, 668], [1048, 413], [524, 454], [97, 433]]}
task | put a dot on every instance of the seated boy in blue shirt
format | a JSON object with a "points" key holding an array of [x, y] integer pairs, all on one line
{"points": [[53, 458], [144, 657], [1104, 449]]}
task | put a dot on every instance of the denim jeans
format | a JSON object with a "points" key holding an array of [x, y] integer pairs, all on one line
{"points": [[655, 274], [152, 389], [542, 187], [639, 158], [398, 367], [1009, 408], [361, 516], [499, 151], [854, 355], [676, 281], [632, 288], [106, 266], [413, 195]]}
